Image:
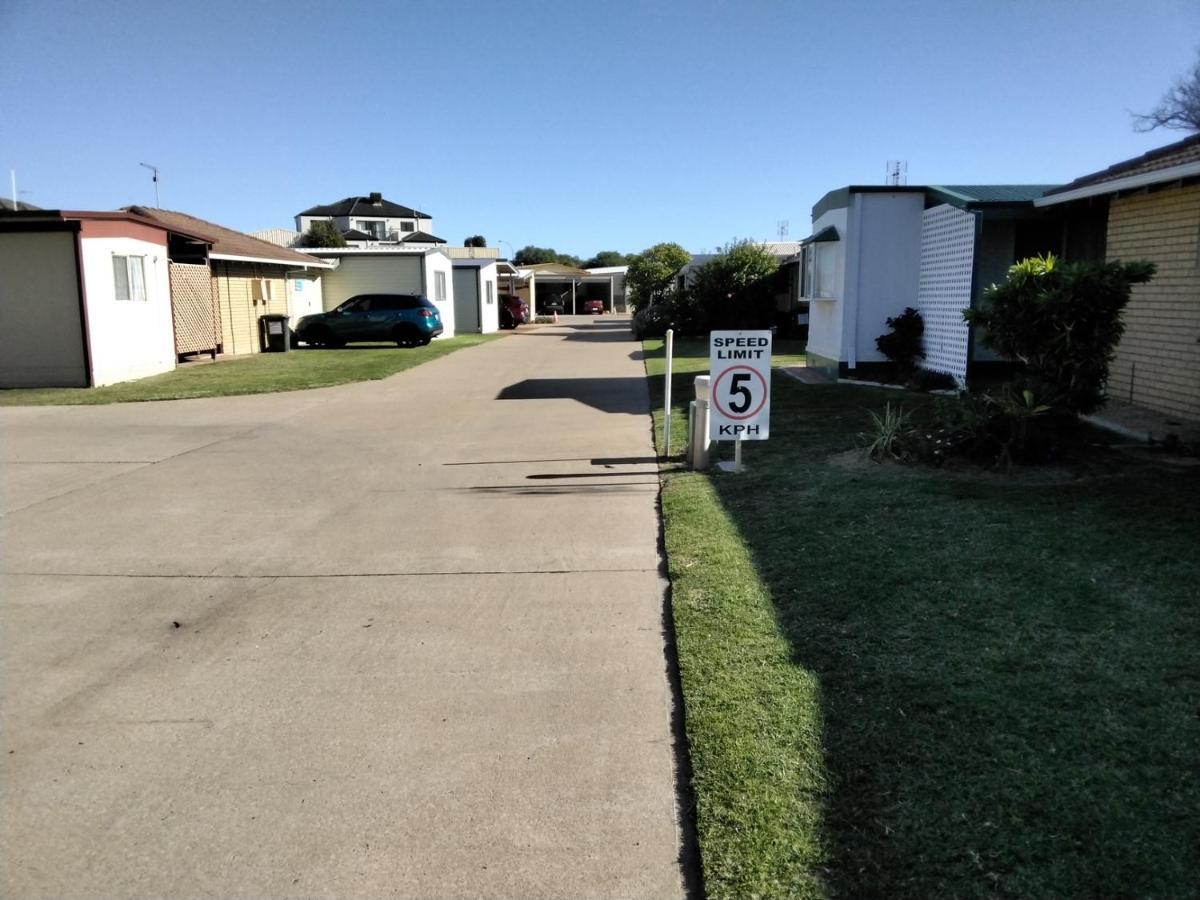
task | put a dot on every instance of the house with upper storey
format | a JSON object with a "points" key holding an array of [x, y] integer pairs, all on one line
{"points": [[373, 219], [1146, 208]]}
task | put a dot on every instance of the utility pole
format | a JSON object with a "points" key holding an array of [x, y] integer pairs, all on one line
{"points": [[154, 170]]}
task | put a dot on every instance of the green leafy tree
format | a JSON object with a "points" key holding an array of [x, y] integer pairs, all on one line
{"points": [[322, 233], [734, 289], [606, 258], [1063, 323], [568, 259], [475, 240], [530, 255], [652, 272]]}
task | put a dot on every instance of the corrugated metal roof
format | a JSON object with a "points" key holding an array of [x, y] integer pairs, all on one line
{"points": [[995, 193]]}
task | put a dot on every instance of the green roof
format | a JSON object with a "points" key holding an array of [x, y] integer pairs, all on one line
{"points": [[971, 194]]}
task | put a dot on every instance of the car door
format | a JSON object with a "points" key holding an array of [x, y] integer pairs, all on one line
{"points": [[350, 321], [383, 316]]}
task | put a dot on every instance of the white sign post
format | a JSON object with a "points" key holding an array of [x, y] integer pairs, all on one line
{"points": [[740, 369]]}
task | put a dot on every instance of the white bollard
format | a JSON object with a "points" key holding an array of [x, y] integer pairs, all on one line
{"points": [[698, 440]]}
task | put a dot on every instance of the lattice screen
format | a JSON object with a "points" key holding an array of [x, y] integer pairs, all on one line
{"points": [[197, 322], [947, 257]]}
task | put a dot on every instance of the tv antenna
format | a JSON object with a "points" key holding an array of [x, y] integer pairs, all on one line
{"points": [[154, 172], [781, 229], [897, 172]]}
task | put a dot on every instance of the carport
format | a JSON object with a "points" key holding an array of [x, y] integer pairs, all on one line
{"points": [[549, 280]]}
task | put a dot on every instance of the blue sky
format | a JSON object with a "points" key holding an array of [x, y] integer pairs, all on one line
{"points": [[581, 126]]}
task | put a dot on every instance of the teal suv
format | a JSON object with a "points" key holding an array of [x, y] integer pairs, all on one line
{"points": [[408, 319]]}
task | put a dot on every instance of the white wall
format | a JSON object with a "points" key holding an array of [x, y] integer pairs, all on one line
{"points": [[883, 268], [304, 295], [472, 311], [344, 222], [825, 315], [41, 335], [128, 338], [491, 311], [440, 262], [395, 274]]}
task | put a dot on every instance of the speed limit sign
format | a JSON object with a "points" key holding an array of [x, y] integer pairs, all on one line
{"points": [[740, 379]]}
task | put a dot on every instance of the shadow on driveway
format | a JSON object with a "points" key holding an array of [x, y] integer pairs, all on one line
{"points": [[610, 395]]}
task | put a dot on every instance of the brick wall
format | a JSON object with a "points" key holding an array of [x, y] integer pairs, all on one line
{"points": [[1158, 360]]}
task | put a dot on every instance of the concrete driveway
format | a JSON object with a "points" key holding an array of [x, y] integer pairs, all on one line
{"points": [[394, 638]]}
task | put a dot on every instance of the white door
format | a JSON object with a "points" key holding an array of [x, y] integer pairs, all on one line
{"points": [[466, 300]]}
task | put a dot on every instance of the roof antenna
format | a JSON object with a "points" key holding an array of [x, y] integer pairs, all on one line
{"points": [[781, 229], [897, 172], [154, 170]]}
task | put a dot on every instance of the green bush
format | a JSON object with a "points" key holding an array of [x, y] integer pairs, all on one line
{"points": [[322, 233], [734, 289], [1062, 323], [652, 320], [902, 345]]}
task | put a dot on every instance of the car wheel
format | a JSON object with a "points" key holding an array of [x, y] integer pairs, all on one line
{"points": [[319, 337], [405, 337]]}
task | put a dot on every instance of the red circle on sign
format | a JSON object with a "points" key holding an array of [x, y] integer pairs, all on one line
{"points": [[717, 394]]}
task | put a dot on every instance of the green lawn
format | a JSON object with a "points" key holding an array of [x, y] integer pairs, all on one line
{"points": [[905, 683], [262, 373]]}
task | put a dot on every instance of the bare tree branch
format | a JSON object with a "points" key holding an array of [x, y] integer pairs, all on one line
{"points": [[1179, 107]]}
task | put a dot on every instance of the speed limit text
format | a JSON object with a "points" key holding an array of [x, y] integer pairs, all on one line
{"points": [[741, 347]]}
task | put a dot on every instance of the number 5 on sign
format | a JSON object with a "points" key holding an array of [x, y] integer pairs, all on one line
{"points": [[740, 373]]}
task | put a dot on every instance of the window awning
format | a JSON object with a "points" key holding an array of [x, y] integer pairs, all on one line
{"points": [[828, 233]]}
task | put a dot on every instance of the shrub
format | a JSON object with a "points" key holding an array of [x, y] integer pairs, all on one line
{"points": [[734, 289], [891, 434], [652, 320], [902, 345], [1062, 322], [928, 380]]}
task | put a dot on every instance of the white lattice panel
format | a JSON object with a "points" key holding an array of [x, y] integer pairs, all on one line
{"points": [[947, 257]]}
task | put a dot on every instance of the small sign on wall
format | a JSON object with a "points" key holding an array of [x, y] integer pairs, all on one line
{"points": [[298, 285]]}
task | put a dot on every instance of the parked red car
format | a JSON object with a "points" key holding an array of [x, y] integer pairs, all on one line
{"points": [[513, 311], [593, 307]]}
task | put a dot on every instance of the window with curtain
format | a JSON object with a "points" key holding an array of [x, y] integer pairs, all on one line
{"points": [[129, 277], [439, 287]]}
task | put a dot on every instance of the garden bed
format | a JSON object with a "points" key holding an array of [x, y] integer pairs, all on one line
{"points": [[905, 682]]}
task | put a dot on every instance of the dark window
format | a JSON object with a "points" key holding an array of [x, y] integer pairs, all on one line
{"points": [[356, 304]]}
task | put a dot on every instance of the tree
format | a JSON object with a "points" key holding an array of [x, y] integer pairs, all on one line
{"points": [[322, 233], [567, 259], [606, 258], [1063, 323], [1179, 107], [652, 272], [530, 255], [475, 240], [734, 289]]}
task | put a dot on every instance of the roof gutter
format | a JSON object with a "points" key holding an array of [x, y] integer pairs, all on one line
{"points": [[1188, 170], [315, 264]]}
